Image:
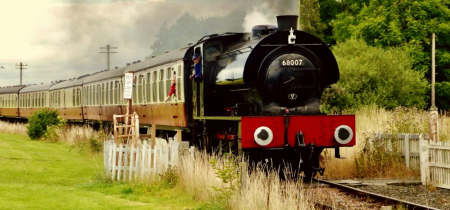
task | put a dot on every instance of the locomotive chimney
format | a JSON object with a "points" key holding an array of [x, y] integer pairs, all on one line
{"points": [[286, 22]]}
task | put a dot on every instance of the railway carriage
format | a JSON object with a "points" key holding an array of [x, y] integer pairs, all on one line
{"points": [[9, 101], [33, 98], [153, 80], [102, 95], [65, 97]]}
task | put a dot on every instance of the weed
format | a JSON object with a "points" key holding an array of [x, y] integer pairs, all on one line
{"points": [[227, 172], [431, 187], [127, 191], [95, 145], [170, 178]]}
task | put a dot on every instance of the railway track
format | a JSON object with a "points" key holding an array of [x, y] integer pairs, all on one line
{"points": [[378, 197]]}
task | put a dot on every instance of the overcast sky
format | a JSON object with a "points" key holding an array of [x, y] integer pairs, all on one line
{"points": [[61, 39]]}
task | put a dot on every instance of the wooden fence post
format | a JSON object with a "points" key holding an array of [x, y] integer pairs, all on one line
{"points": [[153, 137], [243, 177], [424, 160], [179, 135], [407, 150]]}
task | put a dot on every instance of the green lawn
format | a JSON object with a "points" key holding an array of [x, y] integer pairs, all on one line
{"points": [[41, 175]]}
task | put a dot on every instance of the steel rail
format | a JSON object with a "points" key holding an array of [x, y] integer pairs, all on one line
{"points": [[409, 205]]}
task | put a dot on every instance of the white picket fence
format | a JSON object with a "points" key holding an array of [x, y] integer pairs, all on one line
{"points": [[128, 162], [431, 157], [436, 163], [404, 143]]}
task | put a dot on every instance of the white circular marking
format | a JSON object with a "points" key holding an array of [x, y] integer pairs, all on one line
{"points": [[343, 141], [263, 142]]}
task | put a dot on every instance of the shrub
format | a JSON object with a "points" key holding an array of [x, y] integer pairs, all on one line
{"points": [[40, 121], [95, 144], [374, 75]]}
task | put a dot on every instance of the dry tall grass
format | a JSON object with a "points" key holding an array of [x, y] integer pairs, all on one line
{"points": [[13, 128], [262, 191], [267, 191]]}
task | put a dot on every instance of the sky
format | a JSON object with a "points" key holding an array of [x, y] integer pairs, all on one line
{"points": [[61, 39]]}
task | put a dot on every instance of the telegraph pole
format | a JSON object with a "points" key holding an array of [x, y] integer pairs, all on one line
{"points": [[108, 51], [434, 114], [20, 66]]}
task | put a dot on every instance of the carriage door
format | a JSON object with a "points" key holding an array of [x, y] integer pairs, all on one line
{"points": [[63, 105], [100, 100], [197, 87]]}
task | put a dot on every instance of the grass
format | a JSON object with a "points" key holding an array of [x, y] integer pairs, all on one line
{"points": [[195, 179], [41, 175]]}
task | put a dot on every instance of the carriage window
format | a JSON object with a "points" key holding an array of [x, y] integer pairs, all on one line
{"points": [[73, 97], [122, 101], [105, 92], [111, 93], [100, 89], [94, 95], [90, 95], [168, 81], [79, 97], [154, 89], [134, 99], [147, 88], [161, 85], [117, 93], [84, 96], [141, 89], [179, 85]]}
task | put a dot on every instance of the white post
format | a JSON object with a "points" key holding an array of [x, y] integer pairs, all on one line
{"points": [[130, 172], [424, 160], [113, 173], [407, 150]]}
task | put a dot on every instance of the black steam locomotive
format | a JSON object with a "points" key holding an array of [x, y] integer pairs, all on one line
{"points": [[260, 94]]}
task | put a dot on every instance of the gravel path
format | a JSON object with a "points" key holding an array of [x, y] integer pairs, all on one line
{"points": [[429, 196], [400, 189]]}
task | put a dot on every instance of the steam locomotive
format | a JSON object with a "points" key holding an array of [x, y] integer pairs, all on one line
{"points": [[258, 96]]}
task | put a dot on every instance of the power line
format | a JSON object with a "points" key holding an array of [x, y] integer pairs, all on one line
{"points": [[21, 67], [108, 51]]}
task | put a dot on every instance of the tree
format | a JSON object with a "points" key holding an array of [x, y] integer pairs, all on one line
{"points": [[328, 10], [310, 18], [405, 23], [373, 75]]}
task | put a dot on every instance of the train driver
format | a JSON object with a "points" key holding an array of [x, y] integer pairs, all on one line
{"points": [[197, 66]]}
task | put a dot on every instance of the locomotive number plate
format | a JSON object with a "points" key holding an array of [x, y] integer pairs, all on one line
{"points": [[291, 62]]}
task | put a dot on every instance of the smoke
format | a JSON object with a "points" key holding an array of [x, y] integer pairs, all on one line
{"points": [[61, 39], [265, 13]]}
